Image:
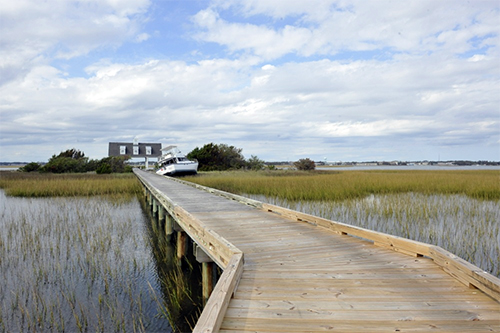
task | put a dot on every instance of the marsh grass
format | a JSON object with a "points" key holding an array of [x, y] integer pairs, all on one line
{"points": [[75, 264], [21, 184], [179, 279], [343, 185]]}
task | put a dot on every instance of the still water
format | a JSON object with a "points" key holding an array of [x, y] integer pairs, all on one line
{"points": [[80, 264]]}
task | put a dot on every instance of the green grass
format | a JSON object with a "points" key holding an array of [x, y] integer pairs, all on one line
{"points": [[20, 184], [344, 185]]}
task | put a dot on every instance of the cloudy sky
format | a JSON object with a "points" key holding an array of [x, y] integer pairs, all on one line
{"points": [[282, 79]]}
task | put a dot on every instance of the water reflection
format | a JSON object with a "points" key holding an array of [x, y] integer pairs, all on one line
{"points": [[180, 279], [80, 264]]}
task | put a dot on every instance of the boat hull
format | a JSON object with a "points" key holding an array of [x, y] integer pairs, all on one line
{"points": [[178, 169]]}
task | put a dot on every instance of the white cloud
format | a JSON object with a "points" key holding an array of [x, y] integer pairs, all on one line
{"points": [[35, 32], [431, 80], [265, 42], [330, 27]]}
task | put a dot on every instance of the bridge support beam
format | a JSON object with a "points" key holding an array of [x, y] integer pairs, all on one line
{"points": [[161, 214], [208, 267], [182, 244], [150, 198], [169, 225], [207, 273], [155, 207]]}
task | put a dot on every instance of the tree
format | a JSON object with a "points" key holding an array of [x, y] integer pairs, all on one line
{"points": [[207, 157], [231, 157], [305, 164], [254, 163], [213, 157], [71, 153], [104, 168], [71, 160], [113, 164]]}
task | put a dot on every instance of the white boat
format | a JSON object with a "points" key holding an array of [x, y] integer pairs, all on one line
{"points": [[173, 162]]}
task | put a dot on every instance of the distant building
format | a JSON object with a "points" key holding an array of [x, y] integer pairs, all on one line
{"points": [[135, 149]]}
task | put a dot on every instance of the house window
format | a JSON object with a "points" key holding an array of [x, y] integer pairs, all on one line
{"points": [[136, 150], [123, 150], [148, 150]]}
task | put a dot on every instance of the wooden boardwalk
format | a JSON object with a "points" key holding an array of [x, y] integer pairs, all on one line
{"points": [[286, 271]]}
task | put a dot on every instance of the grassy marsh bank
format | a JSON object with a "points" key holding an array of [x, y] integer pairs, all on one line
{"points": [[343, 185], [59, 185]]}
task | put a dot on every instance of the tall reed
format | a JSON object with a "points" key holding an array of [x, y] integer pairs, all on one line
{"points": [[75, 264]]}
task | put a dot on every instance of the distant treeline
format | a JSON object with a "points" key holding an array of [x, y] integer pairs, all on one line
{"points": [[460, 162], [220, 157]]}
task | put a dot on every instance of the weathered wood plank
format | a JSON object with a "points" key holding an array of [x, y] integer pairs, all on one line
{"points": [[215, 309], [302, 325], [362, 315], [372, 304], [466, 272]]}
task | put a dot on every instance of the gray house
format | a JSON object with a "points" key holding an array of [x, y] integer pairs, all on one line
{"points": [[135, 149]]}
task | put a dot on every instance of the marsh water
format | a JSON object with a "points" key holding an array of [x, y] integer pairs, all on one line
{"points": [[83, 264], [104, 264]]}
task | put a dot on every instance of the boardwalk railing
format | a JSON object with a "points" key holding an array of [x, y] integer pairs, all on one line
{"points": [[465, 272], [230, 258], [225, 254]]}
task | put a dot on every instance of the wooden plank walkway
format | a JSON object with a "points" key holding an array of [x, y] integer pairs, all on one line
{"points": [[316, 277]]}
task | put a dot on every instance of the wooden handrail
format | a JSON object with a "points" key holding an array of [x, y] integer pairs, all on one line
{"points": [[465, 272], [215, 309], [462, 270], [395, 243], [225, 254]]}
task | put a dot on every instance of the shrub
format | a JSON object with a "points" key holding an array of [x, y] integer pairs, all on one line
{"points": [[30, 167], [104, 168], [305, 164], [254, 163]]}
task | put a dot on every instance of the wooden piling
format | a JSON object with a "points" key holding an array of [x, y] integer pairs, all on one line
{"points": [[161, 214], [182, 240], [169, 225], [207, 269], [155, 207]]}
